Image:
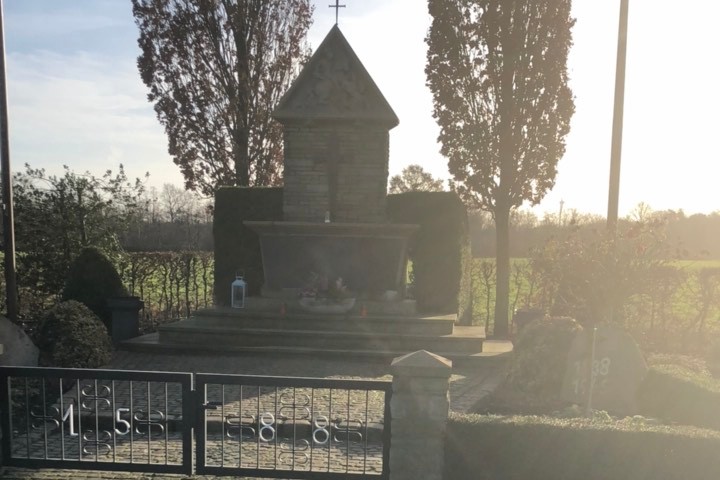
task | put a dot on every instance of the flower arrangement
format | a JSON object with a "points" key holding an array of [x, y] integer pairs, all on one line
{"points": [[320, 287]]}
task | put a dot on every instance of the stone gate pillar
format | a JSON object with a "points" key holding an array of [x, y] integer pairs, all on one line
{"points": [[419, 412]]}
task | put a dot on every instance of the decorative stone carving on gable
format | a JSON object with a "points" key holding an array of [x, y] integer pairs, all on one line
{"points": [[334, 85]]}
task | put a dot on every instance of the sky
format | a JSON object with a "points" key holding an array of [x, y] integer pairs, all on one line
{"points": [[76, 98]]}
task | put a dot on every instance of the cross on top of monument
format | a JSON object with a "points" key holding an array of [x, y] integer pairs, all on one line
{"points": [[337, 8]]}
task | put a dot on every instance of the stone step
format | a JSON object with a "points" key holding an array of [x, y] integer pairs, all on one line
{"points": [[151, 343], [246, 337], [291, 304], [234, 320]]}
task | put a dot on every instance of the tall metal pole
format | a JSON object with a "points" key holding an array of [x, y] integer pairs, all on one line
{"points": [[617, 130], [7, 195]]}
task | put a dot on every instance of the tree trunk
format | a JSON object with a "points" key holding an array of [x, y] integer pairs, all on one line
{"points": [[242, 162], [502, 265], [243, 32], [508, 173], [81, 219]]}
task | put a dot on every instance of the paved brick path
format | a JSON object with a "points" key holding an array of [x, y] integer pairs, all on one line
{"points": [[466, 387]]}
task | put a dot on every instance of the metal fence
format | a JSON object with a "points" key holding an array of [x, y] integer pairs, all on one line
{"points": [[96, 419], [146, 421], [312, 427]]}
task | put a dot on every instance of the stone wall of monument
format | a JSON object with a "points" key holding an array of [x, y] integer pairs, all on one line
{"points": [[341, 169]]}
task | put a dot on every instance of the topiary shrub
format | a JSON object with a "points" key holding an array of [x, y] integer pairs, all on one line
{"points": [[540, 356], [93, 279], [72, 336]]}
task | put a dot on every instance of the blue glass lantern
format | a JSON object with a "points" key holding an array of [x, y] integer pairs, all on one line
{"points": [[238, 290]]}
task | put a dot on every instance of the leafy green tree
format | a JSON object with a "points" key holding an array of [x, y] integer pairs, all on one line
{"points": [[497, 71], [414, 179], [215, 70], [56, 216]]}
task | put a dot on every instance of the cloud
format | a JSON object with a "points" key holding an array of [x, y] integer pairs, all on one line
{"points": [[28, 25], [76, 97], [86, 111]]}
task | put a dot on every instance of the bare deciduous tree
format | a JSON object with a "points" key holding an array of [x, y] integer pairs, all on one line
{"points": [[215, 70]]}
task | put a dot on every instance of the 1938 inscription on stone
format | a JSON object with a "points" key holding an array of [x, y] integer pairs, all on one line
{"points": [[617, 369]]}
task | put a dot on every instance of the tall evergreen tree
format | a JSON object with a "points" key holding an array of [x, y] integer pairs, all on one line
{"points": [[497, 70], [215, 70]]}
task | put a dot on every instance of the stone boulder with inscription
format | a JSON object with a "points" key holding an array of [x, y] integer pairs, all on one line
{"points": [[618, 368], [18, 349], [539, 354]]}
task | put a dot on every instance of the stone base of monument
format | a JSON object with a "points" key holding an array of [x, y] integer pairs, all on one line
{"points": [[290, 302], [261, 328]]}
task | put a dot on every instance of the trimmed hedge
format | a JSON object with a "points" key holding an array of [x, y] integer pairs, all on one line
{"points": [[539, 448], [171, 284], [680, 394], [440, 251], [236, 246]]}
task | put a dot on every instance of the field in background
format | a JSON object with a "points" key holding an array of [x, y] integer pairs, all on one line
{"points": [[172, 284], [679, 311]]}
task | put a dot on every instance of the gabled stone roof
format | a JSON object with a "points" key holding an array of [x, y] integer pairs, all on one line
{"points": [[334, 85]]}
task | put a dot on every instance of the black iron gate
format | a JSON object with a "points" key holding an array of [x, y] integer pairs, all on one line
{"points": [[310, 427], [96, 419], [278, 427]]}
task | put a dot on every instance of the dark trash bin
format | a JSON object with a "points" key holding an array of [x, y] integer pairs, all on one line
{"points": [[524, 316], [125, 317]]}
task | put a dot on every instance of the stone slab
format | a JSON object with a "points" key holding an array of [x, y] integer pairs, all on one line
{"points": [[19, 349], [617, 370], [273, 300], [232, 321]]}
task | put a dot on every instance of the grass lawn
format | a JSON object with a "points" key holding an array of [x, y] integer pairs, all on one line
{"points": [[692, 385]]}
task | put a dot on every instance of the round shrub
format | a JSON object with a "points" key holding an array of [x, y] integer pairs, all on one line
{"points": [[540, 356], [93, 279], [72, 336]]}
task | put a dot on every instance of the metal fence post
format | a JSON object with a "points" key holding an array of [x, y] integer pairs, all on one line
{"points": [[419, 411]]}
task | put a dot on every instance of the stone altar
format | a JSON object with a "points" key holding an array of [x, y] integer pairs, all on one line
{"points": [[371, 258]]}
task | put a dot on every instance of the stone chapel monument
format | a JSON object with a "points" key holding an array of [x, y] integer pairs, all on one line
{"points": [[336, 127], [336, 136]]}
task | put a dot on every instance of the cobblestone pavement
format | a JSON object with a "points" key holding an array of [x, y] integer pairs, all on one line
{"points": [[467, 387]]}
